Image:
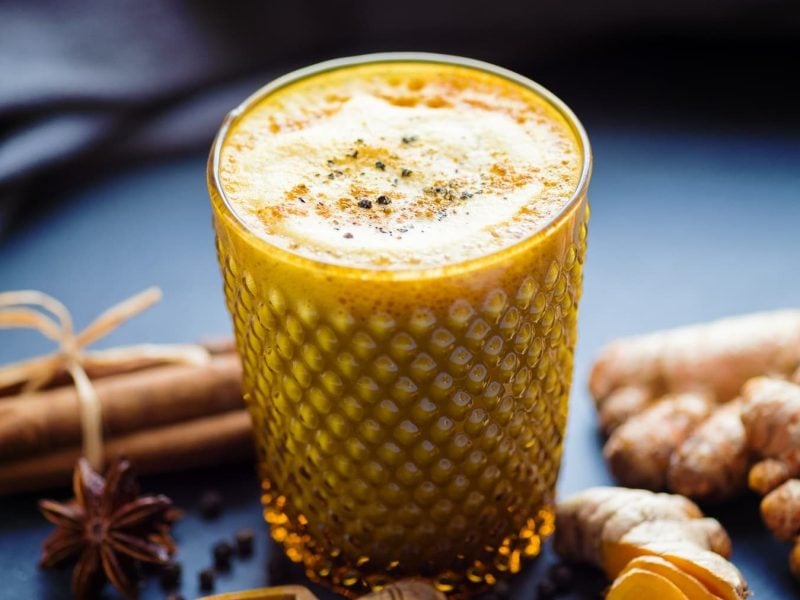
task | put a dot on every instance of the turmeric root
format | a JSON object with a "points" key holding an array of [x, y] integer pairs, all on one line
{"points": [[780, 510], [638, 452], [771, 418], [711, 464], [717, 357], [611, 527], [659, 442]]}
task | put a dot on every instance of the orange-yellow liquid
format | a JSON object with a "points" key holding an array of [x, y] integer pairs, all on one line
{"points": [[408, 401]]}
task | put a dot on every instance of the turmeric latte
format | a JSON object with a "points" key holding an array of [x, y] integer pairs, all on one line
{"points": [[399, 165], [402, 243]]}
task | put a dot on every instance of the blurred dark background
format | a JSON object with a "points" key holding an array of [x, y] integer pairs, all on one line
{"points": [[89, 85]]}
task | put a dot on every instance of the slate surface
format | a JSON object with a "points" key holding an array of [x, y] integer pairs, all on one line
{"points": [[686, 226]]}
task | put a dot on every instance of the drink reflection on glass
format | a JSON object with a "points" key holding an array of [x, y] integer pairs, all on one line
{"points": [[402, 238]]}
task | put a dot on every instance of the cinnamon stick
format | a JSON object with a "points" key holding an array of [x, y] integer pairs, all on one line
{"points": [[47, 421], [203, 442], [97, 368]]}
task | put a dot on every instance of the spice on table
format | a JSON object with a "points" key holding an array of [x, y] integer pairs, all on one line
{"points": [[618, 529], [546, 590], [109, 528], [383, 200], [210, 505], [638, 381], [244, 542], [170, 575], [223, 552], [380, 165], [206, 579], [364, 203], [561, 574], [406, 173]]}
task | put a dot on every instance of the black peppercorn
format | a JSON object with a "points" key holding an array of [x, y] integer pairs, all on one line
{"points": [[383, 200], [562, 576], [170, 575], [405, 172], [380, 165], [364, 203], [223, 552], [210, 504], [244, 542], [206, 579], [546, 590]]}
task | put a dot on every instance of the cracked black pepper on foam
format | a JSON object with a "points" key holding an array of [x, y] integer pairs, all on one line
{"points": [[399, 165]]}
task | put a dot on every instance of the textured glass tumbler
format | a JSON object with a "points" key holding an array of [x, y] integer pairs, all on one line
{"points": [[407, 422]]}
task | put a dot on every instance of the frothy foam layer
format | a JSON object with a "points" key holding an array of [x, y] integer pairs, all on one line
{"points": [[399, 165]]}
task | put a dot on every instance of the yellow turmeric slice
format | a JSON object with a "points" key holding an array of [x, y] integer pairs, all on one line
{"points": [[689, 585], [638, 584]]}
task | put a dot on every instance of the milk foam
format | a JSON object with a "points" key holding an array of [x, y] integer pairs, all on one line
{"points": [[399, 166]]}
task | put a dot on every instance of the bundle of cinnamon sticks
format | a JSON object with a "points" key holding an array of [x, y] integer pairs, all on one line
{"points": [[162, 417]]}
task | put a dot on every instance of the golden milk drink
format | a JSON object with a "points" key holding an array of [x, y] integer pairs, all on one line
{"points": [[401, 240]]}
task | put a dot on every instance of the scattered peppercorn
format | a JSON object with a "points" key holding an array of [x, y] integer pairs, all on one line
{"points": [[246, 537], [278, 569], [170, 575], [364, 203], [348, 236], [562, 576], [405, 172], [383, 200], [210, 504], [546, 590], [206, 579], [407, 139], [502, 589], [223, 552], [380, 165]]}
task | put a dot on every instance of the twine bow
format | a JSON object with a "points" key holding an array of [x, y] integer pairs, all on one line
{"points": [[17, 311]]}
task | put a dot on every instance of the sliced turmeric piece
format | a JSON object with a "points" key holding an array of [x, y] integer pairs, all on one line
{"points": [[638, 584], [689, 585], [704, 534], [716, 573]]}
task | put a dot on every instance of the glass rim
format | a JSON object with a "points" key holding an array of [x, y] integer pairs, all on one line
{"points": [[405, 273]]}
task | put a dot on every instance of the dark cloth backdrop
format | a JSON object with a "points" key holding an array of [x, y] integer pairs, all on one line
{"points": [[86, 85]]}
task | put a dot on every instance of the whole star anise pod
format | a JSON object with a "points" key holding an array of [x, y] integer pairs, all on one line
{"points": [[109, 528]]}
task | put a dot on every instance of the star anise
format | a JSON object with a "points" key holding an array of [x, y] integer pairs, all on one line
{"points": [[109, 528]]}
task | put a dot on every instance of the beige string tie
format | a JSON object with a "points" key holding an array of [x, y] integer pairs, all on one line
{"points": [[26, 309]]}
